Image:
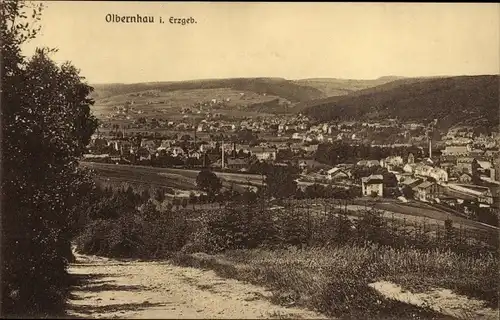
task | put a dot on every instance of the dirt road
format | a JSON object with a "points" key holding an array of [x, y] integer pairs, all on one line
{"points": [[132, 289]]}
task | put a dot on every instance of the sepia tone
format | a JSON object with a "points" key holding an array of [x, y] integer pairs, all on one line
{"points": [[232, 160]]}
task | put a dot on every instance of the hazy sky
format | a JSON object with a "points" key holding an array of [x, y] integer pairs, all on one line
{"points": [[290, 40]]}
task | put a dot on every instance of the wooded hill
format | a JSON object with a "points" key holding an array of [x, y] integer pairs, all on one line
{"points": [[467, 100]]}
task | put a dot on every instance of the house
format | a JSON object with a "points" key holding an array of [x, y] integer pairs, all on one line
{"points": [[427, 191], [410, 168], [423, 170], [392, 162], [440, 175], [310, 164], [337, 174], [263, 153], [372, 185], [484, 165], [467, 165], [177, 151]]}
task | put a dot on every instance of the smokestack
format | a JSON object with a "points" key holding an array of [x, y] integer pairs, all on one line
{"points": [[222, 151], [430, 148]]}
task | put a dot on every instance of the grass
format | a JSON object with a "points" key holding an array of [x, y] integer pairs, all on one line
{"points": [[335, 280], [165, 177]]}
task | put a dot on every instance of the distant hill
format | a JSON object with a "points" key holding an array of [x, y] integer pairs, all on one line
{"points": [[338, 87], [470, 100], [283, 88]]}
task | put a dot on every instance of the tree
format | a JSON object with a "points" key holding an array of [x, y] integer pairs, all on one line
{"points": [[280, 181], [46, 126], [208, 182], [184, 202], [145, 195], [159, 195]]}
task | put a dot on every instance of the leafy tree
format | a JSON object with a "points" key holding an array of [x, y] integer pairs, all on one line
{"points": [[160, 195], [280, 181], [46, 126], [208, 182]]}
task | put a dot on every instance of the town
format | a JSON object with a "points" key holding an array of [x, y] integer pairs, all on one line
{"points": [[457, 170]]}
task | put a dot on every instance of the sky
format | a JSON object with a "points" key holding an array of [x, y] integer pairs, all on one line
{"points": [[288, 40]]}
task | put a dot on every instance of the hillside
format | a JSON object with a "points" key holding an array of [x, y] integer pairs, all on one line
{"points": [[379, 85], [471, 100], [338, 87], [279, 87]]}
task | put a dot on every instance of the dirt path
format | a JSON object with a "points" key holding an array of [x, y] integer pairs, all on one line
{"points": [[131, 289]]}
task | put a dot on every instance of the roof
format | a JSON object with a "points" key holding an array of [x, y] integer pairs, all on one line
{"points": [[374, 178], [262, 149], [424, 185], [460, 195], [466, 159], [411, 181], [236, 161]]}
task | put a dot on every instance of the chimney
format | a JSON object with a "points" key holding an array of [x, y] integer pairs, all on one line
{"points": [[222, 151], [430, 148]]}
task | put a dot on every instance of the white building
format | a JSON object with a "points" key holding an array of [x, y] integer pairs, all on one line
{"points": [[372, 185]]}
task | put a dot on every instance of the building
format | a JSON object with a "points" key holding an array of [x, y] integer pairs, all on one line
{"points": [[337, 174], [368, 163], [392, 162], [263, 153], [467, 165], [237, 164], [454, 150], [438, 174], [482, 195], [372, 185], [427, 191]]}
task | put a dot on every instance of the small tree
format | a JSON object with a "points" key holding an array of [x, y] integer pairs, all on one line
{"points": [[159, 195], [208, 182], [184, 203], [145, 196]]}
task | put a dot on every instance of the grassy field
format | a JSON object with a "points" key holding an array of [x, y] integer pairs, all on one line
{"points": [[170, 103], [167, 177], [337, 281]]}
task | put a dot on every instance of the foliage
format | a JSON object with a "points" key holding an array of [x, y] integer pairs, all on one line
{"points": [[341, 152], [46, 124], [465, 99], [209, 182], [280, 181]]}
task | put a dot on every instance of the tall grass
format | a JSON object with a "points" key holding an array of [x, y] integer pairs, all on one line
{"points": [[336, 280]]}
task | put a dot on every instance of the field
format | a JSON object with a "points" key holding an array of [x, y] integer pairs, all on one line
{"points": [[170, 104], [167, 177]]}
